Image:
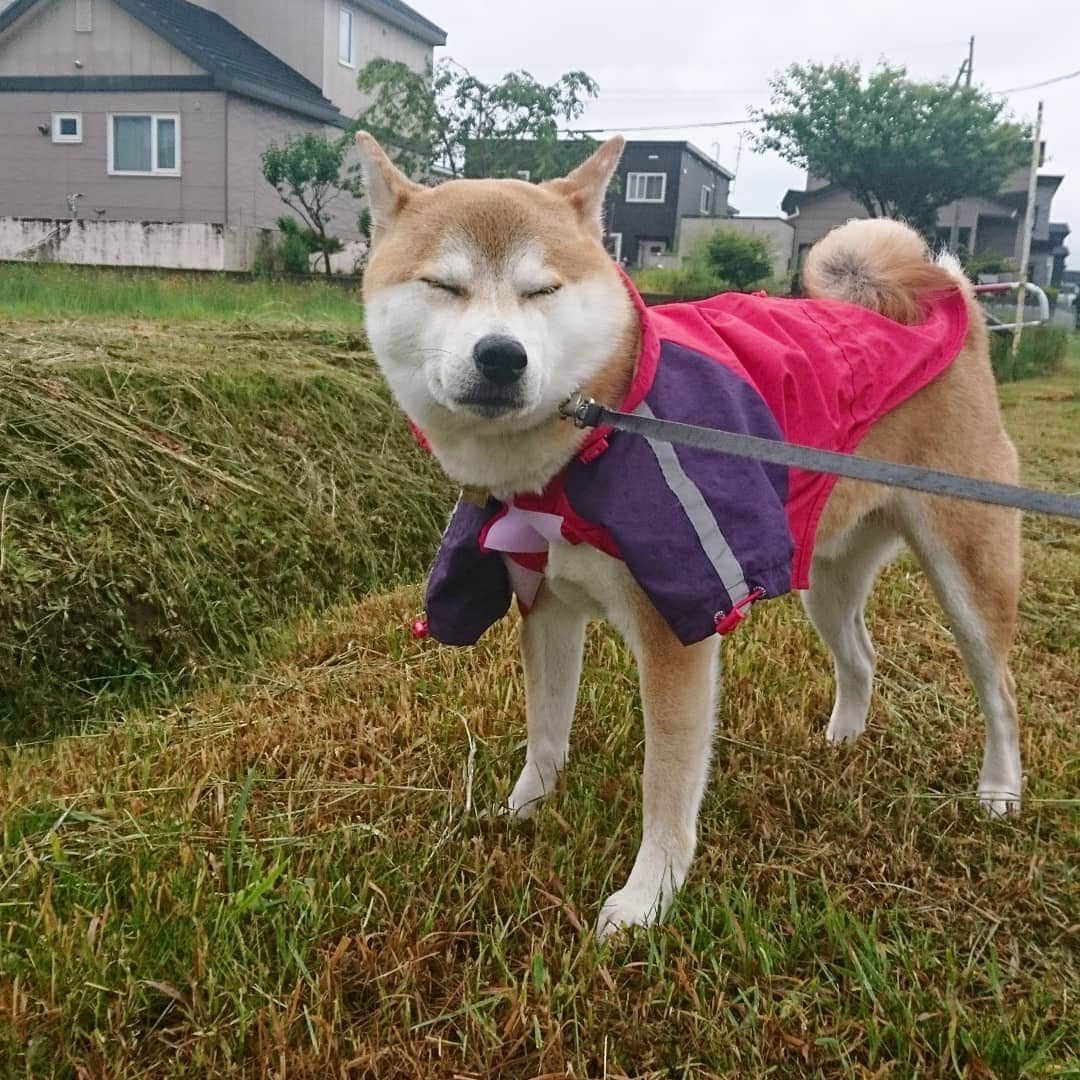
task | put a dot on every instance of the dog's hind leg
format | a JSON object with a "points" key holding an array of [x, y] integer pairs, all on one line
{"points": [[841, 577], [552, 641], [971, 554]]}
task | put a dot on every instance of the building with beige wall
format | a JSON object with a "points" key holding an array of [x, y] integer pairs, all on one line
{"points": [[160, 110]]}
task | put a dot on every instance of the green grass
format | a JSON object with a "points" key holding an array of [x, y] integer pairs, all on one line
{"points": [[30, 290], [173, 493], [291, 874]]}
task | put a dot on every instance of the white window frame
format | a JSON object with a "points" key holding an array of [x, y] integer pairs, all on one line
{"points": [[57, 137], [641, 179], [84, 16], [349, 58], [616, 245], [706, 199], [155, 119]]}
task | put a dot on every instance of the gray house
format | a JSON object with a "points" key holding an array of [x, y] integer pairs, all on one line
{"points": [[159, 110], [987, 226], [660, 184]]}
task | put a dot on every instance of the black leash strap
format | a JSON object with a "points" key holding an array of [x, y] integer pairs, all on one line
{"points": [[587, 413]]}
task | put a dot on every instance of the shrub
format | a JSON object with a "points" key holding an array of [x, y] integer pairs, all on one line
{"points": [[294, 252], [1042, 350], [741, 260]]}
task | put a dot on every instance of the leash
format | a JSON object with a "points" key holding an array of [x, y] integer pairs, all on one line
{"points": [[587, 413]]}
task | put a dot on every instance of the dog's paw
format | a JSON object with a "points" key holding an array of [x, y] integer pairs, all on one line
{"points": [[533, 786], [844, 728], [997, 803], [626, 908]]}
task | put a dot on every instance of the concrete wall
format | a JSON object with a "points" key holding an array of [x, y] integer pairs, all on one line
{"points": [[130, 243], [36, 174], [45, 42], [776, 232]]}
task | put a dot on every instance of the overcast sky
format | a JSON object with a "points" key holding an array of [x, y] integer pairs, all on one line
{"points": [[694, 62]]}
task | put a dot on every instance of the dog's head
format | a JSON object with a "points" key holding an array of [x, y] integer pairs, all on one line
{"points": [[488, 302]]}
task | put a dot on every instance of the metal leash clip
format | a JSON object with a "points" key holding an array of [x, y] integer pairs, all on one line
{"points": [[584, 411]]}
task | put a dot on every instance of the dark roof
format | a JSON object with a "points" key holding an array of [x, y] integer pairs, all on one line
{"points": [[688, 147], [403, 16], [234, 61], [796, 197]]}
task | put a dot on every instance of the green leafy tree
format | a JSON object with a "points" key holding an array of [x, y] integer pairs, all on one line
{"points": [[738, 259], [450, 120], [901, 149], [308, 172]]}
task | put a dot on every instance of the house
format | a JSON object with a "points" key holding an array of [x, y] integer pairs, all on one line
{"points": [[987, 226], [159, 110], [661, 184]]}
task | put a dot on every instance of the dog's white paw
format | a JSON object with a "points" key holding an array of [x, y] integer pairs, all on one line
{"points": [[533, 786], [844, 728], [629, 907], [998, 803]]}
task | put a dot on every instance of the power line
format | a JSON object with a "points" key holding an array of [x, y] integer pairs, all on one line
{"points": [[662, 127], [1036, 85]]}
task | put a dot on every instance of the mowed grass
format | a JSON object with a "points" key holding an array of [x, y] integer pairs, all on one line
{"points": [[33, 290], [294, 876], [173, 492]]}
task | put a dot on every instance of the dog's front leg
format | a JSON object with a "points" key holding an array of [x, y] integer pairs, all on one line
{"points": [[678, 693], [552, 641]]}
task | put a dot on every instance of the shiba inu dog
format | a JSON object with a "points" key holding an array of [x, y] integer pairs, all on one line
{"points": [[489, 302]]}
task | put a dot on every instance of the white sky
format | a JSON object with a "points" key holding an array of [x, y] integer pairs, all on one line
{"points": [[698, 61]]}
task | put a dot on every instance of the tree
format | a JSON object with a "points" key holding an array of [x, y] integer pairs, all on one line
{"points": [[738, 259], [430, 120], [306, 171], [900, 148]]}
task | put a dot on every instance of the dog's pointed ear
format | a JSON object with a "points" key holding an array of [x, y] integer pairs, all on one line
{"points": [[387, 188], [587, 185]]}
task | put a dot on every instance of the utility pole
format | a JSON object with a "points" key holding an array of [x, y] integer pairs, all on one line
{"points": [[1029, 221], [967, 66]]}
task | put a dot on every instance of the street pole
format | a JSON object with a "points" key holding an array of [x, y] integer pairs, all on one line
{"points": [[1025, 240], [968, 65]]}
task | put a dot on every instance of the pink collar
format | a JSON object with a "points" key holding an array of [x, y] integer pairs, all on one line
{"points": [[644, 374]]}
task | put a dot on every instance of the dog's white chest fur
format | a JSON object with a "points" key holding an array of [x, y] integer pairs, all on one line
{"points": [[593, 583]]}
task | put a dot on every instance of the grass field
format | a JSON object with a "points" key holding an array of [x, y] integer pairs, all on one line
{"points": [[30, 290], [291, 875]]}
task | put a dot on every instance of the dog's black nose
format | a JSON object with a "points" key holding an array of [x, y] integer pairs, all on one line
{"points": [[500, 359]]}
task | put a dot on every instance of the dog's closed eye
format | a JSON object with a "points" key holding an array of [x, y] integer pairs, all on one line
{"points": [[547, 290], [445, 286]]}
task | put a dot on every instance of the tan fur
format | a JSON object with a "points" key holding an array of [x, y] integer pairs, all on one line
{"points": [[881, 265]]}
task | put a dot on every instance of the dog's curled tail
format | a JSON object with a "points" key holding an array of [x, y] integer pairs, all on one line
{"points": [[878, 264]]}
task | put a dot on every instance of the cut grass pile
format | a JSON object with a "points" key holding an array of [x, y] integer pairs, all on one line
{"points": [[171, 493], [292, 876]]}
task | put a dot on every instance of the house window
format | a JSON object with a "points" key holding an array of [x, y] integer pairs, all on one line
{"points": [[524, 174], [706, 199], [646, 187], [67, 127], [84, 16], [345, 40], [614, 245], [144, 144]]}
